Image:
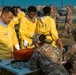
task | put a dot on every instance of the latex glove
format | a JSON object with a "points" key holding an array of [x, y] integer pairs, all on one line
{"points": [[17, 46], [26, 43]]}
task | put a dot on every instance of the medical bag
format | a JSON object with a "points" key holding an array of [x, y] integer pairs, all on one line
{"points": [[23, 54]]}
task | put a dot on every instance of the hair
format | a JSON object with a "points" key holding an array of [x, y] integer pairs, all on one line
{"points": [[14, 7], [32, 8], [19, 7], [8, 9], [46, 10], [42, 38], [38, 13], [68, 5]]}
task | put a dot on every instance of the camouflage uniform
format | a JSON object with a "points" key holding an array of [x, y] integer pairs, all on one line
{"points": [[55, 16], [69, 16], [68, 22], [70, 57], [48, 59]]}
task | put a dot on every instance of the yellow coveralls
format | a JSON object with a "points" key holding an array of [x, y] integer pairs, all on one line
{"points": [[21, 14], [8, 39], [15, 23], [46, 25], [15, 20], [27, 30]]}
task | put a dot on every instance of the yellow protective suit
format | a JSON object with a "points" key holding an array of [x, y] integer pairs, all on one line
{"points": [[16, 19], [8, 39], [15, 23], [46, 25], [21, 14], [27, 30]]}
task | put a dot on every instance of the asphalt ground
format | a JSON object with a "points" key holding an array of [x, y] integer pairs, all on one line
{"points": [[62, 19]]}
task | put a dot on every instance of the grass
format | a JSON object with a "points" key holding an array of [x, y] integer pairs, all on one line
{"points": [[66, 40]]}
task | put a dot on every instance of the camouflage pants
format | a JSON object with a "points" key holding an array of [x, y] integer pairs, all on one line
{"points": [[67, 26], [67, 29], [70, 57]]}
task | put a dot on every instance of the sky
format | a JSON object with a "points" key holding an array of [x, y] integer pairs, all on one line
{"points": [[27, 3]]}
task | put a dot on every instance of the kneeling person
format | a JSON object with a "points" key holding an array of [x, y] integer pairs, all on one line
{"points": [[46, 57]]}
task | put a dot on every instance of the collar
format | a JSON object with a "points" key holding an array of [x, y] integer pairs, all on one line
{"points": [[2, 23]]}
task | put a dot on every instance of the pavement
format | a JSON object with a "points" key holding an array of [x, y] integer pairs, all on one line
{"points": [[62, 19]]}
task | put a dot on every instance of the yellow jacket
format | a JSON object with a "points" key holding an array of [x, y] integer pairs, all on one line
{"points": [[7, 41], [46, 25], [16, 19], [27, 30], [14, 22], [21, 14]]}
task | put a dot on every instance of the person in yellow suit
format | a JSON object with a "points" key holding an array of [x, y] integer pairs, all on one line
{"points": [[28, 28], [46, 25], [15, 23], [18, 15], [8, 39], [19, 12]]}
